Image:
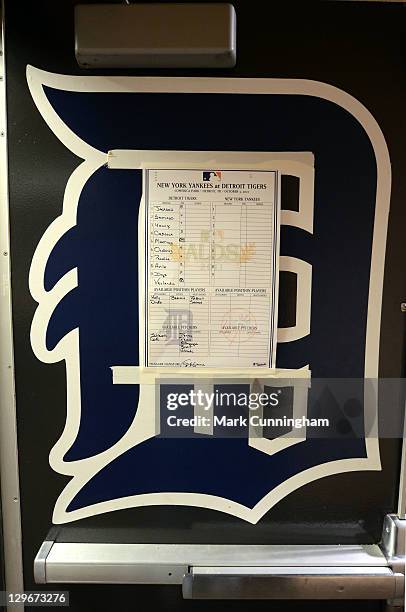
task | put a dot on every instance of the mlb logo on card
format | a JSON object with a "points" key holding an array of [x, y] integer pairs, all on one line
{"points": [[212, 176]]}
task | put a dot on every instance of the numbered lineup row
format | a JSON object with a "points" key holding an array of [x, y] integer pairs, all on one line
{"points": [[200, 206], [219, 282]]}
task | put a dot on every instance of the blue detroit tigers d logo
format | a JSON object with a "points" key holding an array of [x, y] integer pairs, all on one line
{"points": [[84, 276]]}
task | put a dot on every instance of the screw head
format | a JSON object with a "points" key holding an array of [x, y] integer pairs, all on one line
{"points": [[403, 307]]}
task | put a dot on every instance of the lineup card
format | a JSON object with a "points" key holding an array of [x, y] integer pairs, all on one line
{"points": [[212, 268]]}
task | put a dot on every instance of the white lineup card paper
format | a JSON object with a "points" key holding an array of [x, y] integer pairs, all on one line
{"points": [[212, 250]]}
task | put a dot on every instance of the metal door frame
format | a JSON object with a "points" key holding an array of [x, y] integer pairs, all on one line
{"points": [[9, 475]]}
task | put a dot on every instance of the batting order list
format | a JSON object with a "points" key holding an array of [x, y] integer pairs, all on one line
{"points": [[212, 248]]}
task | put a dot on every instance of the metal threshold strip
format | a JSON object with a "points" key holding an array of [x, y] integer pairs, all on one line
{"points": [[227, 571]]}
